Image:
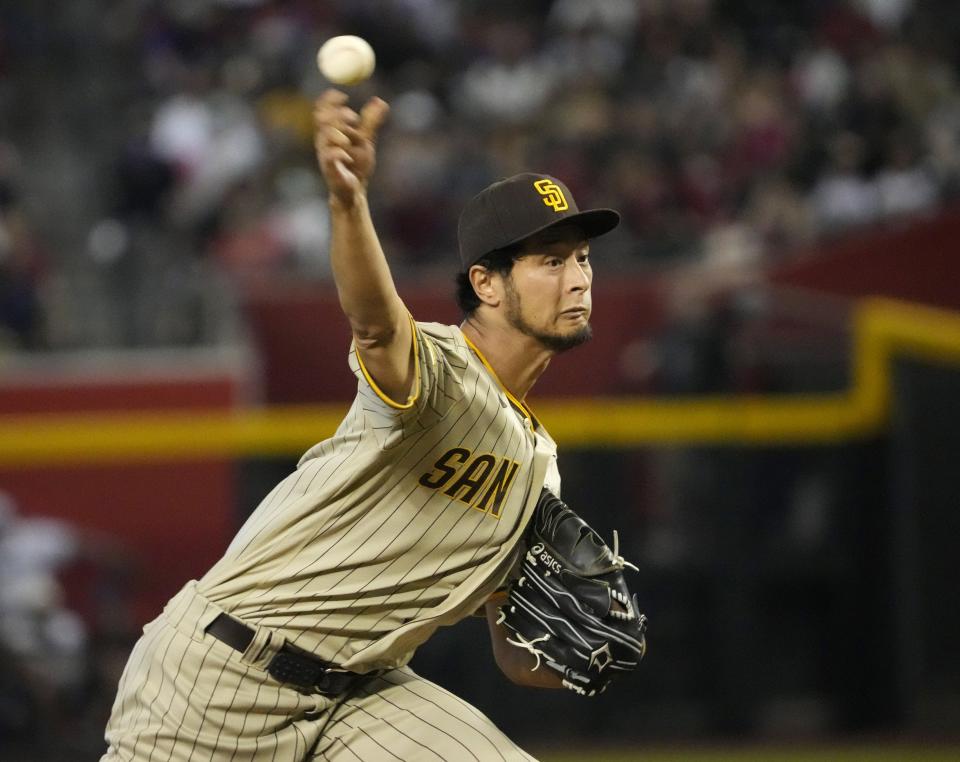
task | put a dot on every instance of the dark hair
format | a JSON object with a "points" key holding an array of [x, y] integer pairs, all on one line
{"points": [[499, 261]]}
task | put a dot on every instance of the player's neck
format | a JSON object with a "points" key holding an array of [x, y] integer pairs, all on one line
{"points": [[517, 359]]}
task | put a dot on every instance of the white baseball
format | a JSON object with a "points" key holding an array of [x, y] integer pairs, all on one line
{"points": [[346, 60]]}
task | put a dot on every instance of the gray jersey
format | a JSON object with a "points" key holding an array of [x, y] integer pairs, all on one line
{"points": [[407, 519]]}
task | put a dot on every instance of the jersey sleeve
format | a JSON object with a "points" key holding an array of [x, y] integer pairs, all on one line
{"points": [[438, 373]]}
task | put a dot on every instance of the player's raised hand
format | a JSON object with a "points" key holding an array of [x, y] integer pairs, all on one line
{"points": [[345, 142]]}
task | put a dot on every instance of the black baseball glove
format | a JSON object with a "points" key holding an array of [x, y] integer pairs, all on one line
{"points": [[570, 606]]}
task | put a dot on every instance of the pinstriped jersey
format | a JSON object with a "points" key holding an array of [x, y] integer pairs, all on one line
{"points": [[407, 519]]}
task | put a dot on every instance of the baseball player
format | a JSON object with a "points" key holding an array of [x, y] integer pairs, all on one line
{"points": [[294, 645]]}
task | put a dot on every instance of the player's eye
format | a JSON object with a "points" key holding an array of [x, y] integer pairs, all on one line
{"points": [[554, 262], [583, 259]]}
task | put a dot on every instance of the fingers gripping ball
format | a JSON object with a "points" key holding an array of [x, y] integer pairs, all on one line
{"points": [[346, 60], [570, 606]]}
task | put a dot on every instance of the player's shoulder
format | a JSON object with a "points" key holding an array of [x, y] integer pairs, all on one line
{"points": [[447, 337], [440, 331]]}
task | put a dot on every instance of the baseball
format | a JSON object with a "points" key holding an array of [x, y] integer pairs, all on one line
{"points": [[346, 60]]}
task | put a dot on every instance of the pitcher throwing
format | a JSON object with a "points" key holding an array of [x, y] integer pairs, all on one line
{"points": [[410, 517]]}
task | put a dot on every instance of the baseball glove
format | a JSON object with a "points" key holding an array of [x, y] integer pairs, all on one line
{"points": [[570, 606]]}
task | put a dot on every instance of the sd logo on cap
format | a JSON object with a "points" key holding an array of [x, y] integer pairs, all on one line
{"points": [[510, 210]]}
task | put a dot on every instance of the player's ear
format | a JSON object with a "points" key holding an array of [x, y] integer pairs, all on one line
{"points": [[487, 287]]}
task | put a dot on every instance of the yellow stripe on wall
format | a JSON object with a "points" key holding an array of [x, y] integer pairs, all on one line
{"points": [[883, 330], [105, 437]]}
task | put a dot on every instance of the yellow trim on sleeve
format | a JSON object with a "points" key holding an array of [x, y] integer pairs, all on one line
{"points": [[416, 373], [522, 405]]}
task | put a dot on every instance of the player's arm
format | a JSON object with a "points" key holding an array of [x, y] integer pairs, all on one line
{"points": [[517, 664], [346, 152]]}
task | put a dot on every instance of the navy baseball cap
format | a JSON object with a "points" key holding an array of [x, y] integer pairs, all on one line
{"points": [[510, 210]]}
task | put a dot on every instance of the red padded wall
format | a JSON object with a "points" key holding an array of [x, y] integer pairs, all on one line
{"points": [[173, 519]]}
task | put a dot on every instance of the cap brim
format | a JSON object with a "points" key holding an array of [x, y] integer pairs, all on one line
{"points": [[596, 222], [593, 223]]}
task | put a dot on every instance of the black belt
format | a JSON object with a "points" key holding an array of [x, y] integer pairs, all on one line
{"points": [[289, 665]]}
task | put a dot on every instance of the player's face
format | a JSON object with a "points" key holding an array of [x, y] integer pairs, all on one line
{"points": [[547, 294]]}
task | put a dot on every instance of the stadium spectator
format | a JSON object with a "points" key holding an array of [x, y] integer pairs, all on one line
{"points": [[55, 655]]}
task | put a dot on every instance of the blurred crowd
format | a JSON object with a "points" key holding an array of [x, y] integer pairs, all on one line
{"points": [[64, 623], [158, 153]]}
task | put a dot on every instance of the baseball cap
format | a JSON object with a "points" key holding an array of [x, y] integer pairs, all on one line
{"points": [[518, 207]]}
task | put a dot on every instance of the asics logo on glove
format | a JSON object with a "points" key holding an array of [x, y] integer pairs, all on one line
{"points": [[549, 561]]}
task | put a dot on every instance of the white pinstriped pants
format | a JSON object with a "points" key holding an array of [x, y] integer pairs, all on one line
{"points": [[185, 696]]}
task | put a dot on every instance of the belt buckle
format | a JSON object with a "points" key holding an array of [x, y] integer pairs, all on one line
{"points": [[286, 667]]}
